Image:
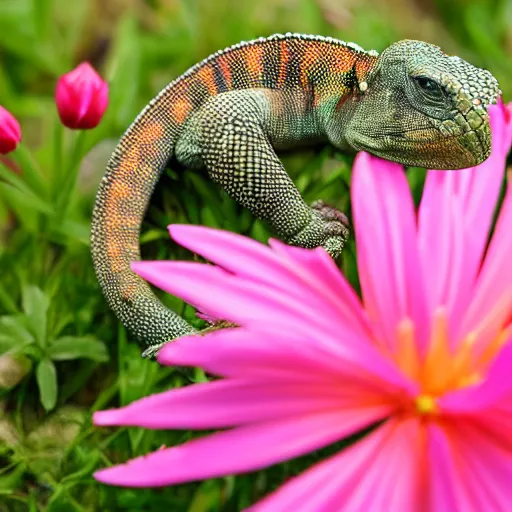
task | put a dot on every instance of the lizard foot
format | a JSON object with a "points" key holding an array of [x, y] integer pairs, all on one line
{"points": [[152, 351], [328, 228], [214, 325]]}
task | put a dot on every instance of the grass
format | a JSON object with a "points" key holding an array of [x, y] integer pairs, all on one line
{"points": [[66, 354]]}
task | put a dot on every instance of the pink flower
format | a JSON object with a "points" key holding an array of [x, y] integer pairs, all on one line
{"points": [[424, 358], [81, 97], [10, 132]]}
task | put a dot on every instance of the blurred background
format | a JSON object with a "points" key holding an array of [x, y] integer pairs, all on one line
{"points": [[62, 353]]}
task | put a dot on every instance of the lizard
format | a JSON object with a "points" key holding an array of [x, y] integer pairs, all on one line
{"points": [[231, 112]]}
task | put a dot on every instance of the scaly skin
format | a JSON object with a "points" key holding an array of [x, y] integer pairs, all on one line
{"points": [[412, 104]]}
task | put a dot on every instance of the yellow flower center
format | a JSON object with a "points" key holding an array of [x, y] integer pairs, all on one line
{"points": [[442, 368], [425, 404]]}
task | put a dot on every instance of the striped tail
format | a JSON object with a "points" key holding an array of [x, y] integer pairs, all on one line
{"points": [[121, 203]]}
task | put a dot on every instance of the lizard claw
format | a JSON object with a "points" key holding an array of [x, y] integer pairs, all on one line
{"points": [[328, 228], [329, 212]]}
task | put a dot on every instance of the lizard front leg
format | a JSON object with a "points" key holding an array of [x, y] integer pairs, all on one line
{"points": [[227, 135]]}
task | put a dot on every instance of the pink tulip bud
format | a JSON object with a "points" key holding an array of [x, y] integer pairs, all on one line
{"points": [[10, 132], [81, 97]]}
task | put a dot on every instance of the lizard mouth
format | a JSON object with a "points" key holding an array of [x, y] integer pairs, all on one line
{"points": [[430, 146], [443, 152], [435, 134], [446, 146]]}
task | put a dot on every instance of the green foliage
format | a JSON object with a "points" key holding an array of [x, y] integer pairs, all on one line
{"points": [[65, 352], [27, 334]]}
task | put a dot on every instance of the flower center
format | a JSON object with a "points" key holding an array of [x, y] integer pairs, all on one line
{"points": [[425, 404], [442, 367]]}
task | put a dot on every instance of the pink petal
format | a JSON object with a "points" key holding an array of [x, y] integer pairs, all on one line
{"points": [[388, 259], [378, 473], [329, 278], [491, 301], [87, 90], [270, 357], [298, 277], [229, 403], [455, 217], [98, 106], [487, 466], [446, 491], [256, 305], [468, 468], [10, 131], [496, 424], [240, 450], [224, 295], [496, 388], [481, 197], [443, 242], [81, 97]]}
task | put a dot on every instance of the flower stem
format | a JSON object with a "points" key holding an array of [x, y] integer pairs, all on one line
{"points": [[70, 176], [57, 173]]}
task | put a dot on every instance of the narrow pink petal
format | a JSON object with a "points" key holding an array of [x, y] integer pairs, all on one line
{"points": [[482, 196], [240, 450], [239, 352], [495, 388], [496, 424], [10, 131], [468, 468], [443, 243], [238, 254], [388, 259], [330, 278], [234, 402], [227, 296], [253, 304], [378, 473], [297, 276], [445, 487], [487, 466], [275, 358], [455, 218], [98, 105], [87, 90], [491, 301]]}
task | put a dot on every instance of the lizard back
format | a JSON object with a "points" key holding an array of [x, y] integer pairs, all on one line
{"points": [[323, 66]]}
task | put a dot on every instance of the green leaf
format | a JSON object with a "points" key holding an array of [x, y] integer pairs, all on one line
{"points": [[17, 182], [67, 181], [14, 326], [20, 206], [77, 347], [210, 218], [154, 234], [124, 71], [25, 199], [35, 306], [10, 481], [31, 172], [7, 344], [85, 470], [6, 300], [75, 230], [47, 381], [42, 12], [14, 333]]}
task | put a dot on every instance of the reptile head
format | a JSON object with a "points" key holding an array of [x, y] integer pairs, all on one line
{"points": [[421, 107]]}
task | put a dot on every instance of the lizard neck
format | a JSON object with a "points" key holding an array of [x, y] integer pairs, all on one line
{"points": [[313, 111], [337, 95]]}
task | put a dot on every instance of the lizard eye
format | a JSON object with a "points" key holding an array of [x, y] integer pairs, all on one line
{"points": [[429, 86]]}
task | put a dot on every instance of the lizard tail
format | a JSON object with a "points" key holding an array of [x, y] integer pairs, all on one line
{"points": [[123, 197]]}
